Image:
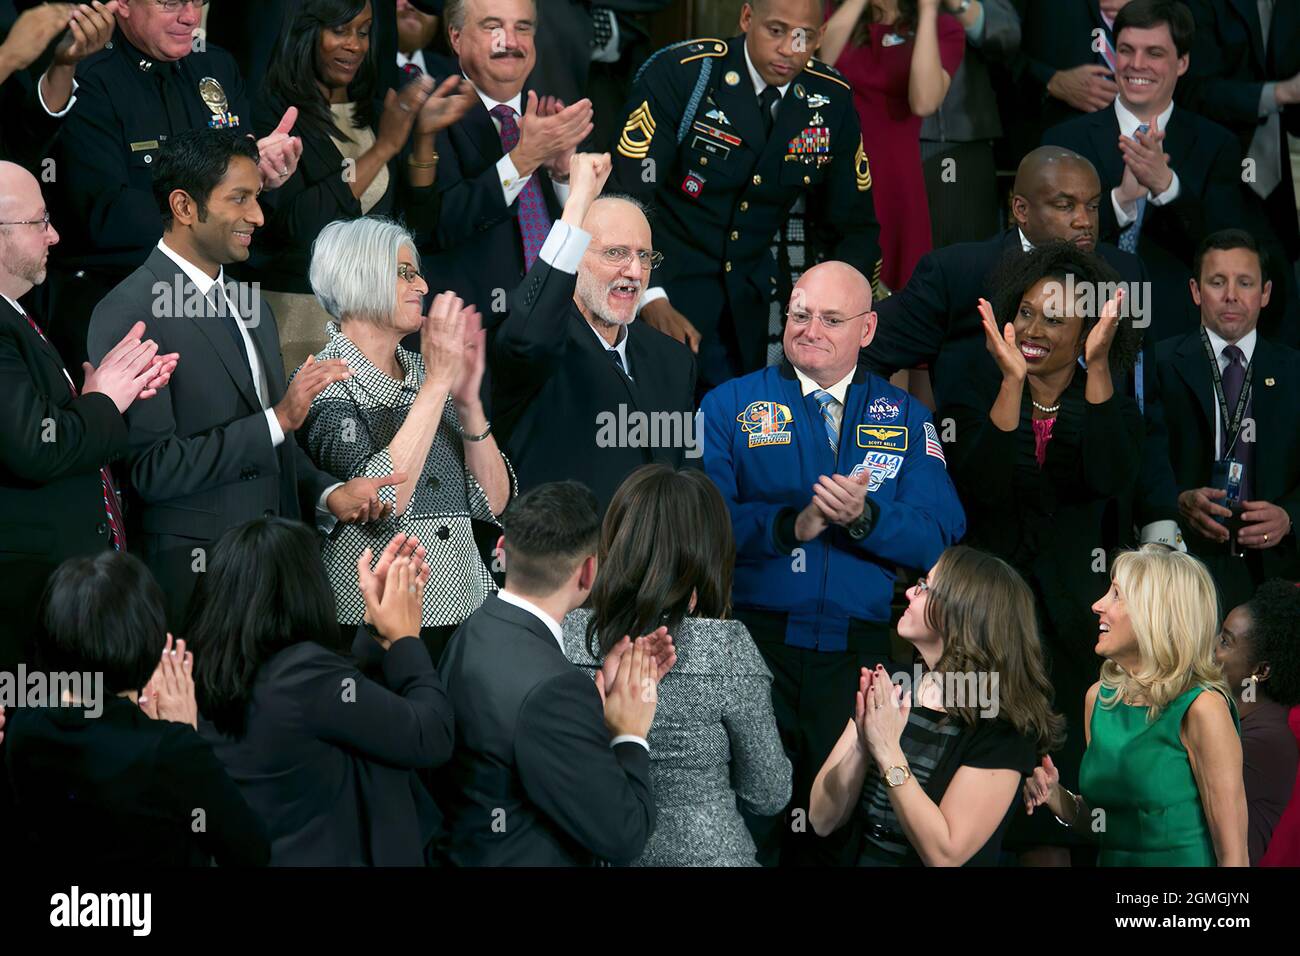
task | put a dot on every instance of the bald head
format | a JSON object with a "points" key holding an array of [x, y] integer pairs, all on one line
{"points": [[829, 321], [610, 288], [1057, 195], [24, 249]]}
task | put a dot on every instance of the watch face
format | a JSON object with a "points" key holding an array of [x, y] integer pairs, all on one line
{"points": [[895, 776]]}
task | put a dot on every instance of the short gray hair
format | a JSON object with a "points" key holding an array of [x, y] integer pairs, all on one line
{"points": [[453, 13], [354, 267]]}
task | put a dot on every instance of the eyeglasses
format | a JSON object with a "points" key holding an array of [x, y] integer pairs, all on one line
{"points": [[408, 272], [618, 255], [174, 6], [43, 223], [922, 585], [832, 321]]}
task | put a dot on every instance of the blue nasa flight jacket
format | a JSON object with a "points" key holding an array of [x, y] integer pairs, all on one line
{"points": [[765, 445]]}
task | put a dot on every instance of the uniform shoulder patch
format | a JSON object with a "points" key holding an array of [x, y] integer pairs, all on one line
{"points": [[862, 167], [698, 49], [816, 67]]}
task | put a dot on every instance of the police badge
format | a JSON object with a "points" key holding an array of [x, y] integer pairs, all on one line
{"points": [[214, 97]]}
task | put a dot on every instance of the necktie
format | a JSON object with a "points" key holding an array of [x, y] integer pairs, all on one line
{"points": [[1234, 377], [1106, 55], [617, 360], [173, 105], [766, 100], [829, 407], [412, 69], [602, 27], [1266, 145], [1128, 239], [116, 526], [534, 221]]}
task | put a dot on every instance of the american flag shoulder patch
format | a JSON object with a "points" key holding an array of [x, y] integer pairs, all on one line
{"points": [[933, 447]]}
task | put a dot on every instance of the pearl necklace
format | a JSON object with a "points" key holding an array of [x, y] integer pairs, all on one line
{"points": [[1047, 409]]}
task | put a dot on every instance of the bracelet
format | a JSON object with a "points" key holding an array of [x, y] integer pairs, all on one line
{"points": [[1077, 809], [410, 161], [487, 431]]}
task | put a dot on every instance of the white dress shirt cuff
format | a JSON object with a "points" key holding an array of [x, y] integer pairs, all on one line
{"points": [[653, 295], [1163, 532], [564, 247], [1268, 100], [512, 184], [1169, 195], [277, 433], [630, 738], [561, 192], [325, 520], [40, 95], [1123, 217]]}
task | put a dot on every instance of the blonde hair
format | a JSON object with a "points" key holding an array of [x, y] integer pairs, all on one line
{"points": [[1174, 613]]}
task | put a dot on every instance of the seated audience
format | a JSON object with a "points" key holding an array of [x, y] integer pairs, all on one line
{"points": [[539, 775], [666, 557], [1046, 458], [573, 368], [1161, 781], [931, 774], [414, 414], [357, 159], [834, 479], [1259, 651], [899, 56], [1231, 396], [114, 774], [323, 748]]}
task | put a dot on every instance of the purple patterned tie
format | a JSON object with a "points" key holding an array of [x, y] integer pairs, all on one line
{"points": [[1234, 377], [534, 221]]}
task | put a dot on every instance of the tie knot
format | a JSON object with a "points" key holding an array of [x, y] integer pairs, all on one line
{"points": [[769, 96], [503, 112], [824, 398], [1143, 128], [1234, 355]]}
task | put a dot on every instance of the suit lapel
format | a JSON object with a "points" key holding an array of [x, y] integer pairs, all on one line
{"points": [[1180, 137], [1104, 132], [1191, 363], [1263, 405], [584, 337], [478, 130], [738, 101], [11, 316], [517, 617], [1248, 10]]}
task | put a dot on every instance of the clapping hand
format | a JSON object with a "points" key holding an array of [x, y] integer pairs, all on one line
{"points": [[89, 30], [131, 370], [473, 361], [1145, 155], [33, 31], [659, 645], [358, 502], [1002, 345], [631, 698], [1096, 350], [445, 105], [1040, 785], [394, 591], [880, 710], [442, 340], [169, 695]]}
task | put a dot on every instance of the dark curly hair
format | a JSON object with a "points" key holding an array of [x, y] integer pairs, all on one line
{"points": [[1021, 271], [1275, 638]]}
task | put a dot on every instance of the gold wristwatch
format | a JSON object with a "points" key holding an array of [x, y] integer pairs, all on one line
{"points": [[897, 776]]}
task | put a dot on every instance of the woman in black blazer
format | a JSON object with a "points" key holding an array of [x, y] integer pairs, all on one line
{"points": [[1045, 459], [360, 155], [324, 748], [110, 775]]}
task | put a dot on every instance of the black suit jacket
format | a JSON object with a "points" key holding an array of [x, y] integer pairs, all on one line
{"points": [[933, 321], [330, 772], [202, 460], [558, 399], [533, 780], [480, 253], [1184, 372], [121, 789], [51, 449], [1228, 69], [316, 195], [1211, 196]]}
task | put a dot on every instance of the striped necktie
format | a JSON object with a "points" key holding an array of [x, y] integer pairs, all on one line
{"points": [[116, 526], [829, 407], [1128, 239]]}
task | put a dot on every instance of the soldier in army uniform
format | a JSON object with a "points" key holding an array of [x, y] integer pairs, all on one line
{"points": [[152, 80], [722, 137]]}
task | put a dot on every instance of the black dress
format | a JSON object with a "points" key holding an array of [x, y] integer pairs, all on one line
{"points": [[1058, 525]]}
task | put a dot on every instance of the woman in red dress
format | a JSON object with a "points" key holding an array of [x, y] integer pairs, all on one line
{"points": [[899, 56]]}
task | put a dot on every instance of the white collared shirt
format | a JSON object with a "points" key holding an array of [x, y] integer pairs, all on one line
{"points": [[551, 623], [512, 184], [1128, 124], [1247, 345], [760, 84], [204, 283], [1025, 244], [620, 347], [417, 58], [838, 392]]}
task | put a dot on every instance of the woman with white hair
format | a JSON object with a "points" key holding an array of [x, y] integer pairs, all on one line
{"points": [[417, 415], [1161, 780]]}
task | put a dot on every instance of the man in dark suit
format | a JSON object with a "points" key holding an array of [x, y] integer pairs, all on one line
{"points": [[580, 388], [1245, 74], [149, 83], [538, 776], [420, 51], [1231, 396], [57, 497], [1169, 176], [504, 167], [722, 138], [934, 320], [216, 448]]}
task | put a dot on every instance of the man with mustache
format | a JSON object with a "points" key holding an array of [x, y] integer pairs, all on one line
{"points": [[934, 321], [581, 390]]}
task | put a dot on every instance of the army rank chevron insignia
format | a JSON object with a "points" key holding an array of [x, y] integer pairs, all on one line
{"points": [[862, 168], [638, 131]]}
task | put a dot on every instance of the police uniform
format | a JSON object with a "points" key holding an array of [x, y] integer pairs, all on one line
{"points": [[103, 203], [694, 147], [820, 609]]}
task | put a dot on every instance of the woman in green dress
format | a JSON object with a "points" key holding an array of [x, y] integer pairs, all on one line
{"points": [[1161, 780]]}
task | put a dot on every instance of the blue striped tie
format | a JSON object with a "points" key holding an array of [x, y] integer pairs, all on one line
{"points": [[828, 403], [1128, 239]]}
